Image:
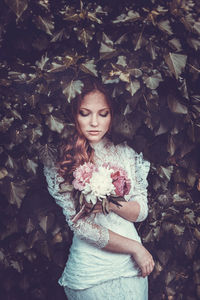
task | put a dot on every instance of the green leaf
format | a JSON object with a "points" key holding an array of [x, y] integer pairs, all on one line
{"points": [[17, 6], [176, 63], [107, 49], [153, 81], [89, 67], [175, 44], [165, 26], [131, 16], [85, 36], [72, 89], [133, 87], [54, 123]]}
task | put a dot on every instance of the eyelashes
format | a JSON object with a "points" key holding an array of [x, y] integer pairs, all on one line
{"points": [[85, 114]]}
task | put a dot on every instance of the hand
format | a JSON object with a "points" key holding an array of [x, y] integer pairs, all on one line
{"points": [[144, 260], [90, 208]]}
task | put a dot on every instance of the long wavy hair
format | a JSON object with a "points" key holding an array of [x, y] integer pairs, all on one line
{"points": [[77, 149]]}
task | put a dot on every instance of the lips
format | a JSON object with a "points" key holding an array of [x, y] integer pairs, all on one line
{"points": [[94, 132]]}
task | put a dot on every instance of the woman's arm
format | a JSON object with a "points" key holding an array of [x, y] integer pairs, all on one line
{"points": [[142, 257], [95, 234], [136, 208], [128, 210]]}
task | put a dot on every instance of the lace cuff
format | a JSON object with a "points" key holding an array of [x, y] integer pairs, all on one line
{"points": [[139, 171], [85, 228]]}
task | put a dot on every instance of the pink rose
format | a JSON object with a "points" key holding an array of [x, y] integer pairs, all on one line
{"points": [[121, 182]]}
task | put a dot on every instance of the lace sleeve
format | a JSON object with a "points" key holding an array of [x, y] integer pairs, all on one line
{"points": [[84, 228], [139, 169]]}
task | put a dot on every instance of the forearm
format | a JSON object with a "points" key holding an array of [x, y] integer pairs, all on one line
{"points": [[120, 244], [141, 256], [128, 210]]}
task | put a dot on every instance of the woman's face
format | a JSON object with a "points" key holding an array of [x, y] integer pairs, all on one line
{"points": [[94, 116]]}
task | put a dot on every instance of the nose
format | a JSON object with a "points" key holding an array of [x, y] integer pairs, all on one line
{"points": [[94, 120]]}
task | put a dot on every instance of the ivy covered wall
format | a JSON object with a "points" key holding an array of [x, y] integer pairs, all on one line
{"points": [[147, 53]]}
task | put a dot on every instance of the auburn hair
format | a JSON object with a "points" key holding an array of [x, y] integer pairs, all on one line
{"points": [[77, 150]]}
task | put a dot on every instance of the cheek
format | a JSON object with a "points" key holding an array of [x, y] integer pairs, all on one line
{"points": [[107, 124], [80, 123]]}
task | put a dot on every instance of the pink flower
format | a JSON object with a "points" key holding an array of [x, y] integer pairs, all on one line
{"points": [[82, 175], [120, 181]]}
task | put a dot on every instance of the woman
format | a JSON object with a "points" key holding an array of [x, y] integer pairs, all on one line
{"points": [[107, 259]]}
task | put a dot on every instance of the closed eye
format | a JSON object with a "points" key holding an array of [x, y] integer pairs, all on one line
{"points": [[83, 113], [104, 114]]}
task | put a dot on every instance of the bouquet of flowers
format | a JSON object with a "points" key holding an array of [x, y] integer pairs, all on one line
{"points": [[104, 183]]}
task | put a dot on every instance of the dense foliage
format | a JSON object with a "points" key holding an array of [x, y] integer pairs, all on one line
{"points": [[147, 52]]}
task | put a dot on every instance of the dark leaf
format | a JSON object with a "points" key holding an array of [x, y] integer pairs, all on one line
{"points": [[89, 67], [153, 81], [17, 191], [46, 222], [54, 123], [175, 44], [17, 6], [3, 173], [48, 155], [176, 63], [107, 49], [5, 123], [175, 106], [29, 226], [133, 87], [34, 134], [190, 247], [45, 24], [85, 36], [131, 16], [72, 89], [165, 26], [30, 166]]}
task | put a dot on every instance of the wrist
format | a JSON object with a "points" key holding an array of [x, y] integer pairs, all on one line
{"points": [[113, 207]]}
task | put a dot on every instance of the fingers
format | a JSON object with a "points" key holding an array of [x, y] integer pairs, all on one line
{"points": [[148, 267], [93, 208]]}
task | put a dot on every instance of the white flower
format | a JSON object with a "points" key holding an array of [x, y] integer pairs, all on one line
{"points": [[101, 183]]}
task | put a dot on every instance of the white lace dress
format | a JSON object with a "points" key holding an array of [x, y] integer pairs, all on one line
{"points": [[91, 272]]}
